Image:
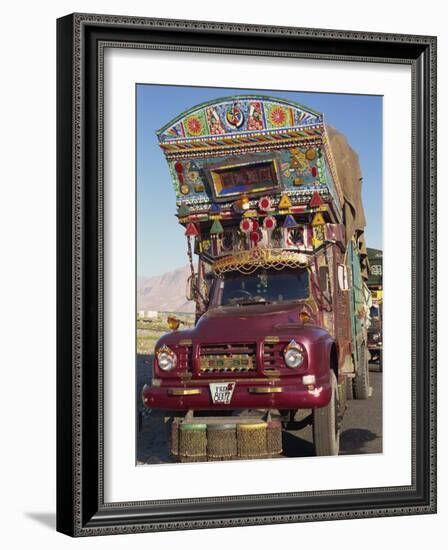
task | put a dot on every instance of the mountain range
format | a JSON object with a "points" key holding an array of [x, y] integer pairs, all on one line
{"points": [[164, 292]]}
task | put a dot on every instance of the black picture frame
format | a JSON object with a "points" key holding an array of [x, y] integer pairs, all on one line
{"points": [[81, 39]]}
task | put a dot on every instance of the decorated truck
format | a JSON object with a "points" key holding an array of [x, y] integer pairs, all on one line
{"points": [[270, 199], [375, 284], [374, 334]]}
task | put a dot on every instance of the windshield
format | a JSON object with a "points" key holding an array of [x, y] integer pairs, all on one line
{"points": [[262, 286]]}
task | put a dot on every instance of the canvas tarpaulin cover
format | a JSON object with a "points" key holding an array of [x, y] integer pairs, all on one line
{"points": [[350, 178]]}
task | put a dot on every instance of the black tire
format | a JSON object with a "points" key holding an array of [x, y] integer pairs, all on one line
{"points": [[361, 382], [325, 430]]}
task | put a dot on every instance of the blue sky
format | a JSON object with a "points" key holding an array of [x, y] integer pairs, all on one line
{"points": [[161, 245]]}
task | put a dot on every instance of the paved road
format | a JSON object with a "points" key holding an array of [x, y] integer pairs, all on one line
{"points": [[361, 429]]}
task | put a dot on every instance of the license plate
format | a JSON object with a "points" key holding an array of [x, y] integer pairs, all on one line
{"points": [[222, 392]]}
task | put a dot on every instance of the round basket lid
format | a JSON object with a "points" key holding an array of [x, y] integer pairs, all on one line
{"points": [[218, 427], [193, 426], [252, 426]]}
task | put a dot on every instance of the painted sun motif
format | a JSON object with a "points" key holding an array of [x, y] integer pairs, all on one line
{"points": [[194, 126], [278, 116]]}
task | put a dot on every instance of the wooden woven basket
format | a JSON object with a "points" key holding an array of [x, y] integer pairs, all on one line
{"points": [[221, 441], [192, 442], [252, 440]]}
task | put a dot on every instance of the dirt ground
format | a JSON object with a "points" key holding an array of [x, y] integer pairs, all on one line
{"points": [[361, 430]]}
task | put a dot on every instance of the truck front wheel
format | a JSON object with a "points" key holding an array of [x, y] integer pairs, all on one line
{"points": [[326, 430]]}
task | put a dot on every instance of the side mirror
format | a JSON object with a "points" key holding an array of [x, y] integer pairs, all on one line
{"points": [[323, 278]]}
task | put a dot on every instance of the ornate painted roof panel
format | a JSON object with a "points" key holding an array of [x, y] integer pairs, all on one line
{"points": [[238, 115]]}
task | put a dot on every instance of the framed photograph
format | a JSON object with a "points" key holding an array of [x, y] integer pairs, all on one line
{"points": [[246, 275]]}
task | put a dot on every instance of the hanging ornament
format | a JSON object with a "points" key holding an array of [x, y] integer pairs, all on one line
{"points": [[215, 208], [289, 222], [191, 230], [216, 228], [314, 171], [318, 224], [318, 235], [284, 203], [185, 189], [246, 225], [255, 237], [179, 167], [265, 204], [269, 223], [316, 200], [318, 219]]}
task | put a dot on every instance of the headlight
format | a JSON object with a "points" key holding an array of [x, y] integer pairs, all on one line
{"points": [[293, 355], [166, 358]]}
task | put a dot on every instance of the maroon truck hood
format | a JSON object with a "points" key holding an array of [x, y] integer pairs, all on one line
{"points": [[253, 323]]}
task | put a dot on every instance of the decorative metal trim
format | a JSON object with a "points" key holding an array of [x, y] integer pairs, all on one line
{"points": [[184, 391], [266, 389]]}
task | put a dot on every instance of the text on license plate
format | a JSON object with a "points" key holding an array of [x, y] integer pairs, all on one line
{"points": [[222, 392]]}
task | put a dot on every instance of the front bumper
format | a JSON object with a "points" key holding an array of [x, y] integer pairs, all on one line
{"points": [[246, 395]]}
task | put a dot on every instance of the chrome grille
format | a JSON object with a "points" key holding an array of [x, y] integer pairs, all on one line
{"points": [[232, 358], [273, 355], [184, 356]]}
